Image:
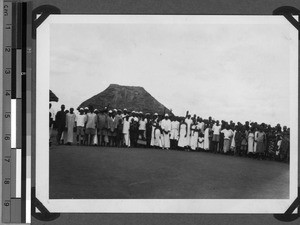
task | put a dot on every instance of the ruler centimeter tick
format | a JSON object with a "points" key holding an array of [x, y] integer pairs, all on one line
{"points": [[14, 113]]}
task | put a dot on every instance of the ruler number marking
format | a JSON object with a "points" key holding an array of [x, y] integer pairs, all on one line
{"points": [[7, 49], [6, 203], [7, 92], [7, 137], [7, 115], [5, 11], [7, 71], [7, 181], [7, 159]]}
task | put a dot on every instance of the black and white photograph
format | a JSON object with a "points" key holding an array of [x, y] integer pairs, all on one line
{"points": [[170, 114]]}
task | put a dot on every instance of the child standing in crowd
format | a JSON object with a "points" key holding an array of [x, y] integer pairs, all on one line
{"points": [[201, 141]]}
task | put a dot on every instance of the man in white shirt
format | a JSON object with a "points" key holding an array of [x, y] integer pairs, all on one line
{"points": [[166, 129], [216, 136], [90, 130], [80, 120], [142, 127], [227, 138]]}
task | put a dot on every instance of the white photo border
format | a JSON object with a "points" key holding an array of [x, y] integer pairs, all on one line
{"points": [[154, 205]]}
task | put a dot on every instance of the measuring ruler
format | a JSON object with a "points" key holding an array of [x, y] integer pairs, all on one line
{"points": [[6, 131], [14, 165]]}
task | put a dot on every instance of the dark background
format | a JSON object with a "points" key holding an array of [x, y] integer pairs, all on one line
{"points": [[204, 7]]}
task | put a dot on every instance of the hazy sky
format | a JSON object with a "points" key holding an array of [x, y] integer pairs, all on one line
{"points": [[232, 71]]}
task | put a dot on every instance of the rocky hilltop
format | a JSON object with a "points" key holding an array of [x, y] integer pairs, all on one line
{"points": [[133, 98]]}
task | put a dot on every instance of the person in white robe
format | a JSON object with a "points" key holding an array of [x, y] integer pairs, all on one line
{"points": [[206, 138], [126, 126], [188, 122], [251, 141], [154, 121], [182, 142], [166, 129], [70, 124]]}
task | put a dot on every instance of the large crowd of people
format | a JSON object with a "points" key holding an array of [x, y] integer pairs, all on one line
{"points": [[120, 128]]}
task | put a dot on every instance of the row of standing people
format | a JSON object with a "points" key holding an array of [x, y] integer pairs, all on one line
{"points": [[258, 141], [120, 128]]}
